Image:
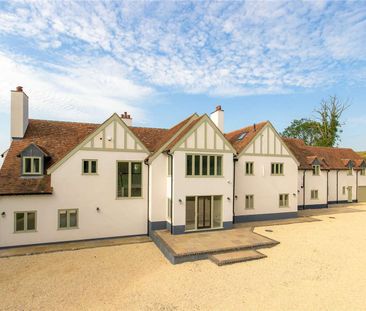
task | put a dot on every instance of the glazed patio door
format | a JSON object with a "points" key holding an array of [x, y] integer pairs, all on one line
{"points": [[204, 212]]}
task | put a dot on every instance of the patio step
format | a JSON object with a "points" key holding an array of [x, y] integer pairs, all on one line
{"points": [[234, 257]]}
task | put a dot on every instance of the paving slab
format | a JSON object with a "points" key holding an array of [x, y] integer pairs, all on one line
{"points": [[235, 257], [69, 246]]}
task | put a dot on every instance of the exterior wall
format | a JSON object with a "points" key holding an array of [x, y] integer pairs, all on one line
{"points": [[200, 186], [265, 187], [361, 179], [72, 190], [347, 181], [158, 191], [314, 182]]}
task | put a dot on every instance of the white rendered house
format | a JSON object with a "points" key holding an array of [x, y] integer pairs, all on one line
{"points": [[67, 181]]}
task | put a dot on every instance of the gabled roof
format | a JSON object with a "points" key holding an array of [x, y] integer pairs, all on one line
{"points": [[35, 146], [54, 137], [331, 158], [246, 134]]}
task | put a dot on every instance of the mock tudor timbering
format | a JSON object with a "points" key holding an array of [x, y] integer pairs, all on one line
{"points": [[114, 179]]}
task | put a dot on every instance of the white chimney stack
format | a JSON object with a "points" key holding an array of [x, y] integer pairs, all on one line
{"points": [[19, 113], [127, 119], [218, 118]]}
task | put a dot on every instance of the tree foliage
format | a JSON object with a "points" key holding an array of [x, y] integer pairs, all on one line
{"points": [[325, 129]]}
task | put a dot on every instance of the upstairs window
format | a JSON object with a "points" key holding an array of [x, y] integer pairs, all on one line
{"points": [[316, 170], [129, 179], [249, 168], [277, 169], [32, 166], [350, 171], [203, 165], [363, 171], [89, 167]]}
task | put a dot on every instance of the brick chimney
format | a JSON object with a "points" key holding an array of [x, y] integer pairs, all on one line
{"points": [[218, 118], [127, 119], [18, 113]]}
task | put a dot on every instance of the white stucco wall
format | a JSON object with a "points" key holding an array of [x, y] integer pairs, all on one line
{"points": [[72, 190], [314, 182], [265, 188], [200, 186]]}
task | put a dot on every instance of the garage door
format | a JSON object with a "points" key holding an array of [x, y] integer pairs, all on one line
{"points": [[361, 197]]}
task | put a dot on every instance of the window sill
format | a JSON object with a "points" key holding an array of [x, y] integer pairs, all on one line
{"points": [[27, 231], [72, 228], [89, 174], [249, 208], [284, 206], [129, 198]]}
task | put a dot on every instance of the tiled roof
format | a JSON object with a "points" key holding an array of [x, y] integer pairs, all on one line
{"points": [[56, 138], [330, 158], [150, 137], [248, 134]]}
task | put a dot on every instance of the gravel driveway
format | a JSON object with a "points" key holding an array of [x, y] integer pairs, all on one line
{"points": [[318, 266]]}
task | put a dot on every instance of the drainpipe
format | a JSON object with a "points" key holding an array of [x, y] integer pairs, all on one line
{"points": [[235, 159], [337, 187], [328, 189], [146, 162], [171, 191], [303, 190]]}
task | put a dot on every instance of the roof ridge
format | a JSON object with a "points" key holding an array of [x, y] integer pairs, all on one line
{"points": [[60, 121], [248, 126]]}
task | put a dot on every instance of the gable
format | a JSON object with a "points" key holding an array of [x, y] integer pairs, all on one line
{"points": [[268, 143], [32, 151], [204, 136], [114, 136]]}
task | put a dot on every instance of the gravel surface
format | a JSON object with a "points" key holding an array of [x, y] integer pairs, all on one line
{"points": [[317, 266]]}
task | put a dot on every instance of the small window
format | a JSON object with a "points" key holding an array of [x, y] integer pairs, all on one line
{"points": [[129, 179], [68, 219], [344, 190], [25, 221], [32, 166], [316, 170], [249, 168], [284, 200], [89, 167], [314, 194], [277, 169], [249, 201], [350, 171], [363, 172]]}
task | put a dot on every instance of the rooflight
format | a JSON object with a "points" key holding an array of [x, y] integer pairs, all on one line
{"points": [[242, 135]]}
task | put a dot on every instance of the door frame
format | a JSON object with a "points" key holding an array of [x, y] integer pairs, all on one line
{"points": [[204, 200]]}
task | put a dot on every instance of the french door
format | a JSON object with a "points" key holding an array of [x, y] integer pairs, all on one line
{"points": [[204, 212]]}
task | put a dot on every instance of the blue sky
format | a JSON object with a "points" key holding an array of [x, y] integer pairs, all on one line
{"points": [[161, 61]]}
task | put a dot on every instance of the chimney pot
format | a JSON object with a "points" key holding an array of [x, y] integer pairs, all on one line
{"points": [[218, 108], [19, 89]]}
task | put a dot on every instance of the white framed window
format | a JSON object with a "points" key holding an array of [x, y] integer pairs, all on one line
{"points": [[316, 170], [129, 179], [25, 221], [249, 168], [284, 200], [314, 194], [90, 167], [68, 219], [363, 171], [249, 201], [203, 165], [350, 171], [277, 169], [32, 166]]}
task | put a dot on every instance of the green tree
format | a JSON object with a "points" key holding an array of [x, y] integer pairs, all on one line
{"points": [[305, 129], [325, 130]]}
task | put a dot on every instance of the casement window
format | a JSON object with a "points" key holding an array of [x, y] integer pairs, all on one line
{"points": [[350, 171], [314, 194], [344, 190], [32, 166], [169, 213], [249, 168], [25, 221], [129, 179], [277, 169], [90, 167], [284, 200], [203, 165], [363, 172], [249, 201], [316, 170], [68, 219]]}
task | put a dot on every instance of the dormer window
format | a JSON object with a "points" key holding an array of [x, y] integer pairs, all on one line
{"points": [[316, 170], [32, 166], [33, 160]]}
